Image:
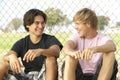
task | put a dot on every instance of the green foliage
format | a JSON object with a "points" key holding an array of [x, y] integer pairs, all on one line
{"points": [[117, 24], [102, 21], [14, 24], [56, 17]]}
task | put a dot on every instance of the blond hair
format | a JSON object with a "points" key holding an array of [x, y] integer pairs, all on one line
{"points": [[85, 16]]}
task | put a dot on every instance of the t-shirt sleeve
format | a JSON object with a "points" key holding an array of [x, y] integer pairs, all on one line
{"points": [[106, 38], [74, 38], [53, 41], [17, 47]]}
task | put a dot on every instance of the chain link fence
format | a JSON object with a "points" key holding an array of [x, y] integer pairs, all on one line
{"points": [[12, 11]]}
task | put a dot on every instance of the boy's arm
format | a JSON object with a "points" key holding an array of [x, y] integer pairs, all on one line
{"points": [[69, 48], [11, 58], [53, 51], [109, 46], [8, 55]]}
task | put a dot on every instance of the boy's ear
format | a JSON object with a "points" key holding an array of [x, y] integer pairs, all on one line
{"points": [[27, 26]]}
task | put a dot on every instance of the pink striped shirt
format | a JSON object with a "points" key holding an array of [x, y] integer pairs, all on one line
{"points": [[83, 43]]}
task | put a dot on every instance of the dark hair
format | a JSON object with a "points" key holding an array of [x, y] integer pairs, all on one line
{"points": [[30, 15]]}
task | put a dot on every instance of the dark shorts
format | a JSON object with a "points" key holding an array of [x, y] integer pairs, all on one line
{"points": [[89, 76]]}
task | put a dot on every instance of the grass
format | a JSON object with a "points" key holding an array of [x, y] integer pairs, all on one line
{"points": [[8, 39], [117, 42]]}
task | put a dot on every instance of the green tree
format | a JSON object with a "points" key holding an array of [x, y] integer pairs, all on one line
{"points": [[102, 21], [1, 29], [117, 24], [56, 17], [14, 24]]}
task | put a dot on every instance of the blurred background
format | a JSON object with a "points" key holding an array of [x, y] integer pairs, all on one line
{"points": [[60, 14]]}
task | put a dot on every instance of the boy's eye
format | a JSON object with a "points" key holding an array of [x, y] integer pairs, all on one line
{"points": [[37, 23]]}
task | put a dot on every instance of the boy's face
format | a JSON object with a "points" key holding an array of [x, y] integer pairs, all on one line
{"points": [[38, 26], [82, 28]]}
